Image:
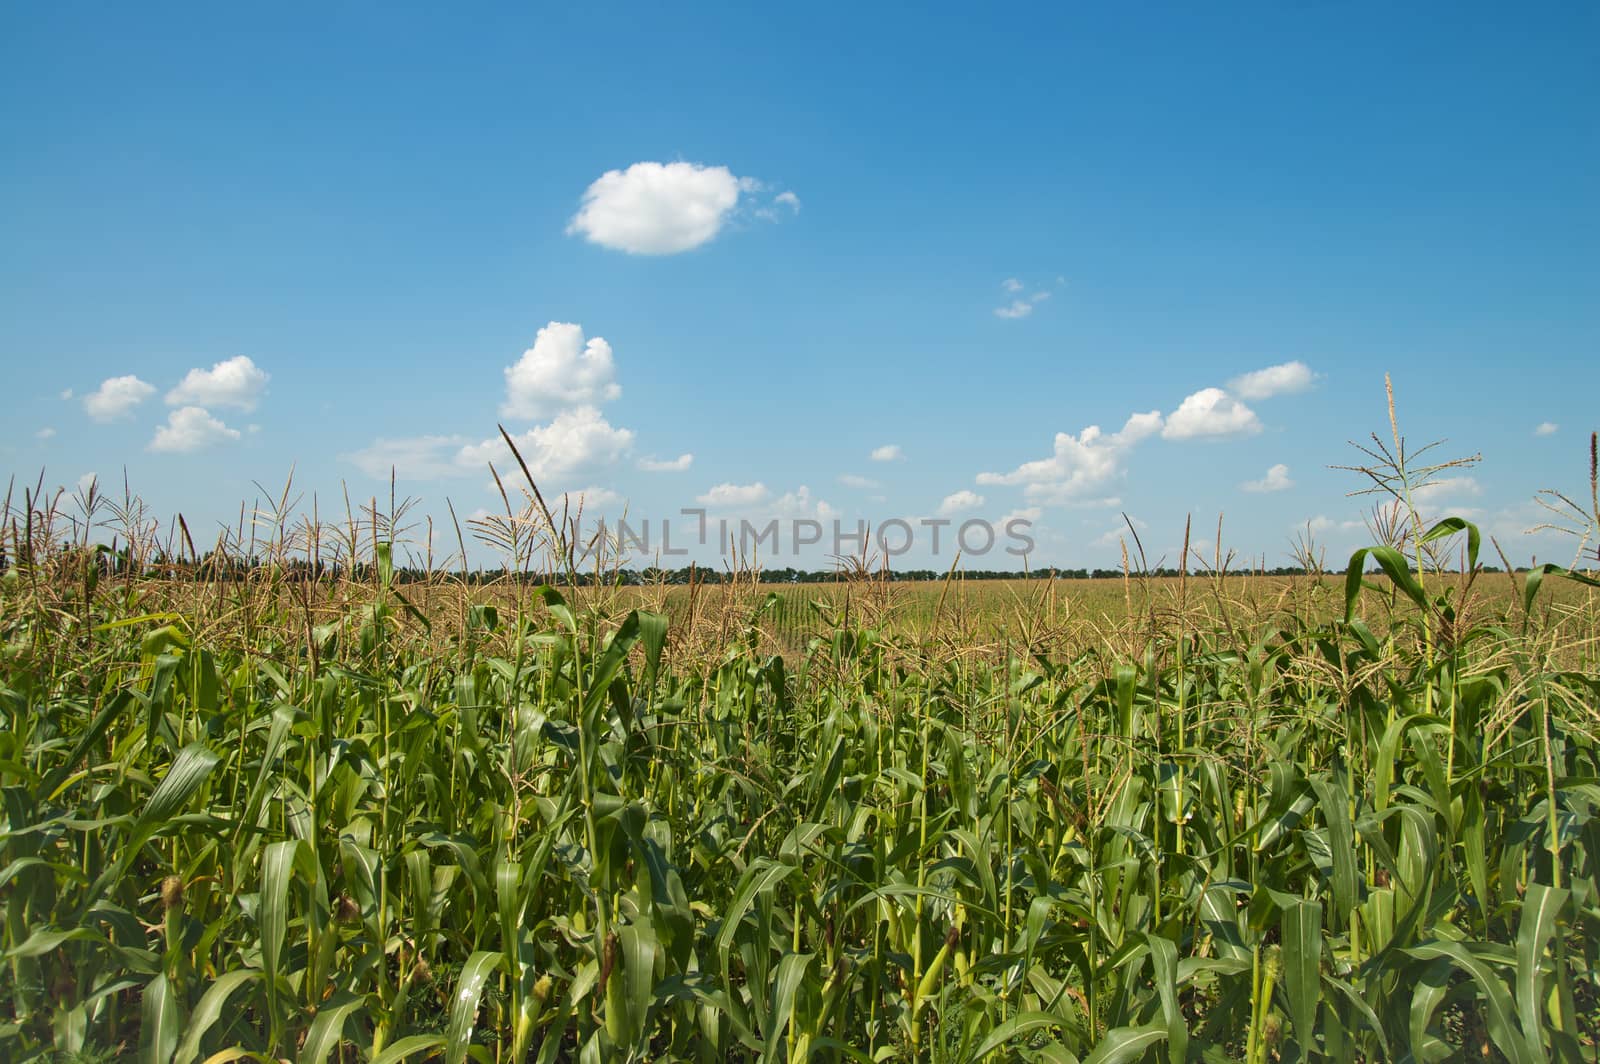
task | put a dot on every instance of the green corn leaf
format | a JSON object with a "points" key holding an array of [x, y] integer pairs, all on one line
{"points": [[209, 1011], [327, 1030], [159, 1022], [1301, 941], [464, 1004]]}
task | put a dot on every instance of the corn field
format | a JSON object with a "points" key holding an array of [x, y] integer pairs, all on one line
{"points": [[297, 817]]}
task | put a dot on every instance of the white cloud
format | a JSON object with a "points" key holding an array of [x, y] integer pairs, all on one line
{"points": [[560, 370], [960, 501], [735, 495], [588, 499], [44, 433], [575, 439], [889, 452], [799, 503], [116, 397], [189, 429], [659, 208], [236, 382], [1210, 412], [855, 480], [1019, 307], [788, 199], [1449, 488], [1546, 428], [1282, 379], [86, 482], [680, 464], [1080, 465], [1323, 523], [413, 458], [1277, 479], [66, 393], [1112, 536]]}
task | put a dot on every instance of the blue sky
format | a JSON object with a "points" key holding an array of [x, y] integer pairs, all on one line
{"points": [[799, 254]]}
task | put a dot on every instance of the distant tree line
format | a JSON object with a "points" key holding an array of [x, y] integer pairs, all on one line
{"points": [[228, 567]]}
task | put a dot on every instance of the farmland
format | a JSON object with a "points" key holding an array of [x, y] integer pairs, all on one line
{"points": [[293, 816]]}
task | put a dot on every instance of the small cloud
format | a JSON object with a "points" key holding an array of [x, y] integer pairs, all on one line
{"points": [[117, 396], [679, 464], [788, 199], [1021, 306], [1026, 513], [1282, 379], [66, 393], [1449, 488], [1080, 466], [589, 498], [889, 452], [1210, 412], [189, 429], [1277, 479], [1546, 428], [661, 208], [411, 458], [734, 495], [44, 433], [86, 482], [561, 369], [574, 439], [236, 382], [959, 502], [854, 480]]}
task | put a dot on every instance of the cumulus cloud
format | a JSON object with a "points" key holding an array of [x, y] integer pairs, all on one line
{"points": [[1546, 428], [1080, 465], [735, 495], [788, 199], [960, 502], [680, 464], [889, 452], [117, 396], [855, 480], [559, 370], [236, 382], [801, 503], [1282, 379], [1277, 479], [189, 429], [574, 439], [661, 208], [1210, 412]]}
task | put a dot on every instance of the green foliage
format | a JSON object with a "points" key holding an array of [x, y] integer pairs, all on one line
{"points": [[345, 825]]}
